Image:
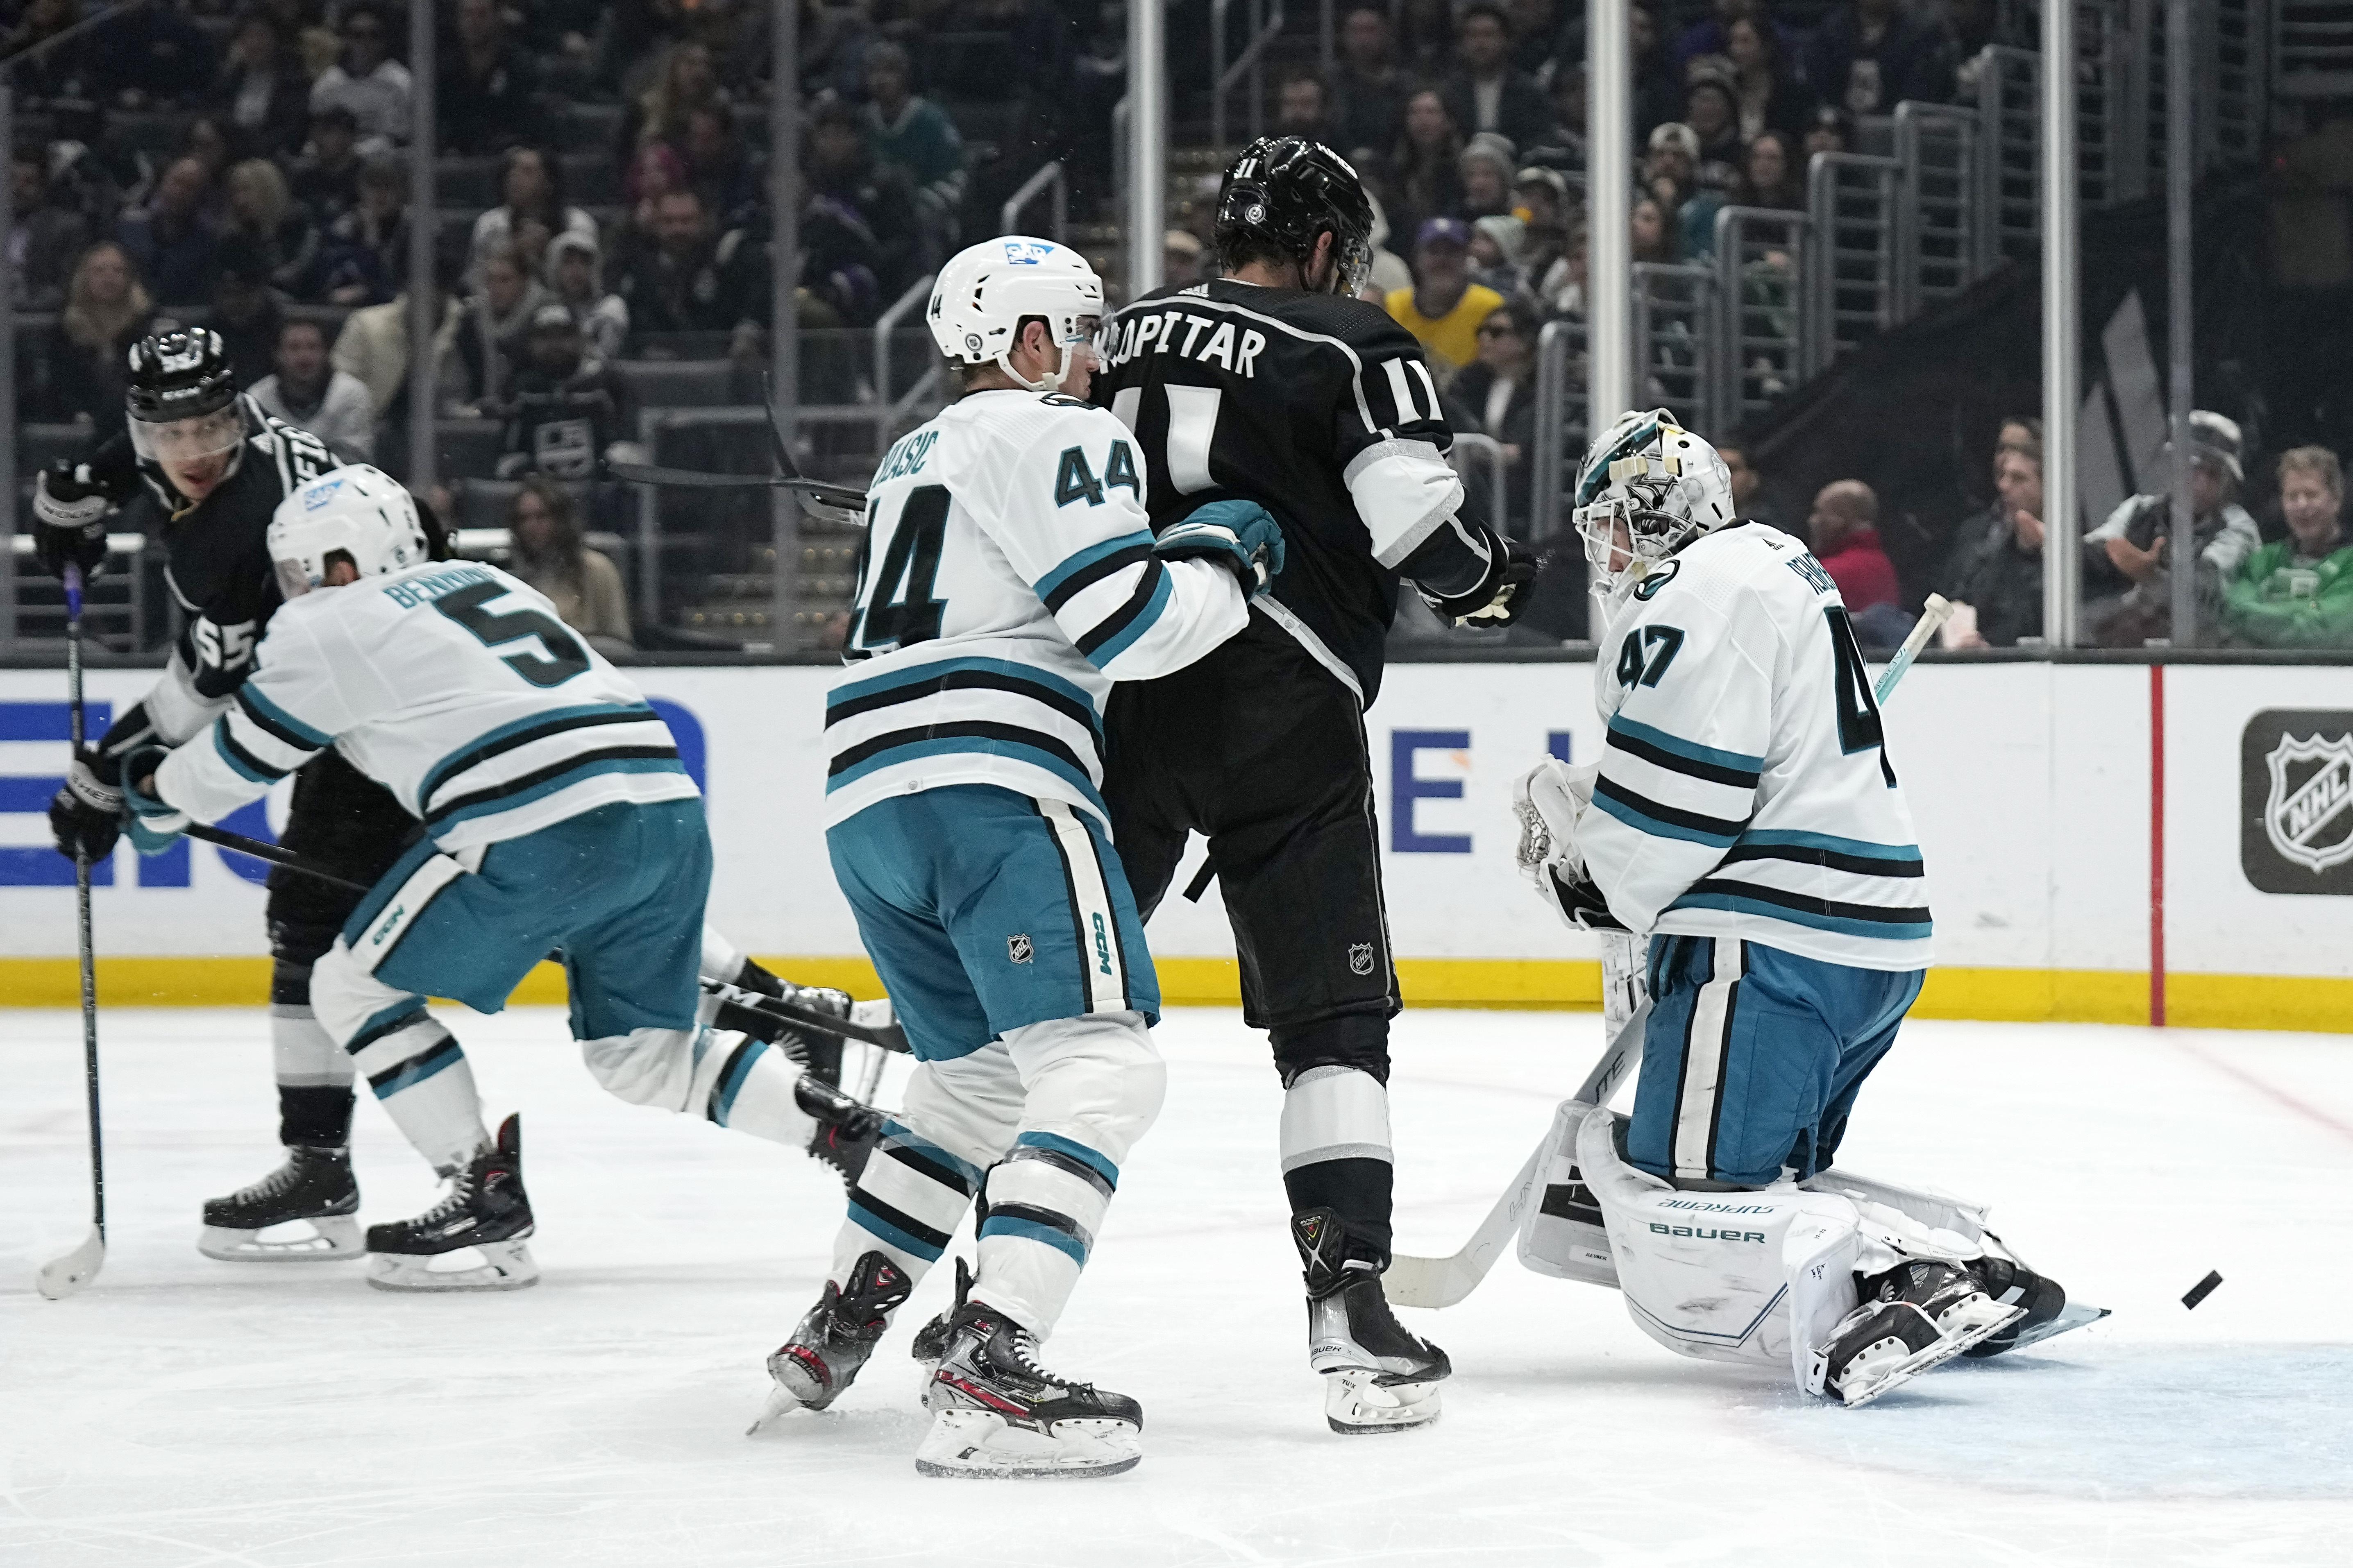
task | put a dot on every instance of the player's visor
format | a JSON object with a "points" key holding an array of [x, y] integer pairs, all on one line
{"points": [[189, 440]]}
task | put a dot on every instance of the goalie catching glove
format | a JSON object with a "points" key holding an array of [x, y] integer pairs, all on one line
{"points": [[1548, 799], [1240, 535]]}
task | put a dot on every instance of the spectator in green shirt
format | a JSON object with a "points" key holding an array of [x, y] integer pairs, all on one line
{"points": [[915, 134], [2298, 592]]}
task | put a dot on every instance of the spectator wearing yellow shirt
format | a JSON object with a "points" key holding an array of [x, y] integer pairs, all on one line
{"points": [[1444, 310]]}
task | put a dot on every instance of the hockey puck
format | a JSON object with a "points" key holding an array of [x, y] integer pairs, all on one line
{"points": [[2203, 1288]]}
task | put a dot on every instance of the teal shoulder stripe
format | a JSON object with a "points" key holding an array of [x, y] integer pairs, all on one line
{"points": [[1163, 593], [1079, 562], [933, 669], [265, 709], [1790, 838], [1683, 748]]}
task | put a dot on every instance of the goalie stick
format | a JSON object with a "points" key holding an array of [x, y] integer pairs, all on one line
{"points": [[1431, 1282]]}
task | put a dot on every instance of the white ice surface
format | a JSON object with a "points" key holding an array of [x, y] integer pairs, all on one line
{"points": [[185, 1411]]}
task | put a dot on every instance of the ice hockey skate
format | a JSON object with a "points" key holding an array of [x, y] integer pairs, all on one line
{"points": [[1377, 1377], [487, 1215], [1913, 1317], [997, 1412], [834, 1339], [299, 1212]]}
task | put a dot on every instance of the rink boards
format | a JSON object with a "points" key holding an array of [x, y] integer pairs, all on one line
{"points": [[2103, 842]]}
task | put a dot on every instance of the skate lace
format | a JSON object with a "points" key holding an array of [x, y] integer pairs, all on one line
{"points": [[269, 1186], [461, 1197], [1024, 1350]]}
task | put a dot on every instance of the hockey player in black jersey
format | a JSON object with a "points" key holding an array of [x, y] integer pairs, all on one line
{"points": [[1274, 387]]}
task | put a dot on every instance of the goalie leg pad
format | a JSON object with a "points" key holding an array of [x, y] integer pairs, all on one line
{"points": [[1563, 1235], [1748, 1277]]}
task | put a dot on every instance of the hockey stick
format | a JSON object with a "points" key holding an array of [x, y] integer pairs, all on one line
{"points": [[890, 1038], [1933, 614], [694, 479], [272, 853], [62, 1276], [1414, 1281], [1441, 1281]]}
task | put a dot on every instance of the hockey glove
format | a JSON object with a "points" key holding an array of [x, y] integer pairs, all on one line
{"points": [[1580, 903], [86, 816], [1239, 534], [1502, 595], [70, 508], [1548, 799], [155, 824]]}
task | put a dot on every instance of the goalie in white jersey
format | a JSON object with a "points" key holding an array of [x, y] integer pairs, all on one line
{"points": [[1745, 817], [556, 814], [1010, 575]]}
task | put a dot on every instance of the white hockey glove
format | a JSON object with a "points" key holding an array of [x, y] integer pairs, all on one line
{"points": [[1548, 799]]}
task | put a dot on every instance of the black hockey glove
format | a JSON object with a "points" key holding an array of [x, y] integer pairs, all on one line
{"points": [[1582, 905], [1502, 595], [86, 814], [70, 508], [1240, 535]]}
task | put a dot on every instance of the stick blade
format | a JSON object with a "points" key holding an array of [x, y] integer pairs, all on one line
{"points": [[61, 1278], [1428, 1282]]}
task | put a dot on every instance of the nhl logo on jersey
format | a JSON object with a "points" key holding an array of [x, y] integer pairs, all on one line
{"points": [[2296, 791], [1360, 958], [1018, 948]]}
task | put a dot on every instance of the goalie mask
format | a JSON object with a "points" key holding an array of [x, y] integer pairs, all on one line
{"points": [[1646, 489], [356, 511], [987, 290]]}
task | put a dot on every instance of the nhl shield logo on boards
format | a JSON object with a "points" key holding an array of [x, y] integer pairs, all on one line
{"points": [[1360, 958], [2308, 814], [2296, 802], [1018, 948]]}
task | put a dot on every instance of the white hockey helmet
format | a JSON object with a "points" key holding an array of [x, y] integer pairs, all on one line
{"points": [[357, 510], [987, 290], [1647, 488]]}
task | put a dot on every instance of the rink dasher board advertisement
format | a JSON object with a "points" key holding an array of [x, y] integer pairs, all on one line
{"points": [[2032, 786]]}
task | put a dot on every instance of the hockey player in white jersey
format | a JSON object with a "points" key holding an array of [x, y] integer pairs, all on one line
{"points": [[556, 814], [1747, 818], [1009, 576]]}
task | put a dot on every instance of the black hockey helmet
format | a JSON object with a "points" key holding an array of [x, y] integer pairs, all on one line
{"points": [[1282, 192], [181, 374]]}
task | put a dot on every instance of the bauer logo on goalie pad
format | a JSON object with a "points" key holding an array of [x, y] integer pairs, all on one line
{"points": [[2296, 799]]}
